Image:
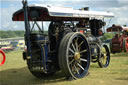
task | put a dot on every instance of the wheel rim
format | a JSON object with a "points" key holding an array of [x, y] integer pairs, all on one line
{"points": [[105, 56], [2, 57], [77, 62]]}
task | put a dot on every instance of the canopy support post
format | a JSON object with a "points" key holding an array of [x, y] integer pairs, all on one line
{"points": [[27, 27]]}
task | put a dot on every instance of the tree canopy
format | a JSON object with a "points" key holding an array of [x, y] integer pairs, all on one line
{"points": [[11, 34]]}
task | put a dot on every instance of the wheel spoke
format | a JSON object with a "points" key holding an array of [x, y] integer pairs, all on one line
{"points": [[76, 39], [71, 50], [80, 66], [70, 56], [79, 48], [83, 59], [80, 44], [71, 61], [76, 44], [103, 60], [76, 70], [83, 51], [104, 50], [73, 47]]}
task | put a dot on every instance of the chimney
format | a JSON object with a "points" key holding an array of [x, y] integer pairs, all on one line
{"points": [[85, 8]]}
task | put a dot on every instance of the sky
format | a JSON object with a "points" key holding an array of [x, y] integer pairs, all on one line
{"points": [[118, 7]]}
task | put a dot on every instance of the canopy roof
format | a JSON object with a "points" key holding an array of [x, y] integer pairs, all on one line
{"points": [[125, 28], [48, 13], [114, 28]]}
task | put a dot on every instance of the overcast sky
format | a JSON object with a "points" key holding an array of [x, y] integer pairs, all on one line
{"points": [[118, 7]]}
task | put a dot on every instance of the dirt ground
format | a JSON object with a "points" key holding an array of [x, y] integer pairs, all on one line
{"points": [[15, 72]]}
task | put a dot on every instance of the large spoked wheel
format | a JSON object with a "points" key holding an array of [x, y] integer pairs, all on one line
{"points": [[125, 45], [2, 57], [104, 59], [74, 55]]}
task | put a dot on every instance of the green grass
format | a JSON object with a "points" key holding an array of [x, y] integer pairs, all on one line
{"points": [[15, 72]]}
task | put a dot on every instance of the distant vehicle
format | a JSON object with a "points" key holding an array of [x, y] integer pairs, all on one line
{"points": [[2, 57], [9, 44], [18, 44], [6, 48], [119, 42]]}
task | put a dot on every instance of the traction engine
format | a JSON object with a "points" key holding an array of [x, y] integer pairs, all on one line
{"points": [[69, 46], [119, 41]]}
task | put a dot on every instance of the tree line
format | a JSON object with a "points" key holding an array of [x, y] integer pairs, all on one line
{"points": [[13, 34]]}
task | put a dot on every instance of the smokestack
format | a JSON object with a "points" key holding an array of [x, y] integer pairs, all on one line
{"points": [[85, 8]]}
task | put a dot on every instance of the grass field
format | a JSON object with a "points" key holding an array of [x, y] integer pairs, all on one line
{"points": [[15, 72]]}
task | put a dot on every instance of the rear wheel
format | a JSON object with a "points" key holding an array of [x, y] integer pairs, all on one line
{"points": [[74, 55], [104, 58]]}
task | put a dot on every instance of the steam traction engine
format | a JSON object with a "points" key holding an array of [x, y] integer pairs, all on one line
{"points": [[119, 41], [72, 41]]}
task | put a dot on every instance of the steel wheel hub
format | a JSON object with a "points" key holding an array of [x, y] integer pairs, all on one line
{"points": [[105, 56], [77, 55]]}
